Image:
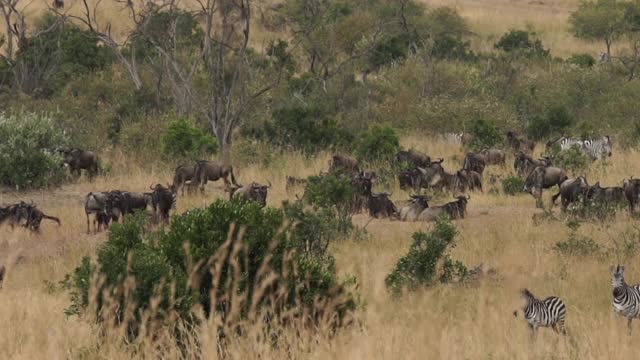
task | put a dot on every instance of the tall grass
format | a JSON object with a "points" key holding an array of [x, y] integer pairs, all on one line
{"points": [[450, 321]]}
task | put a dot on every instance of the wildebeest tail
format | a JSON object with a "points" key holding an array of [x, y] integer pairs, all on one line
{"points": [[233, 178], [52, 218]]}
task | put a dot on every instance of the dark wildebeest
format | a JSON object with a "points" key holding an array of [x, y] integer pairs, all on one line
{"points": [[344, 164], [253, 192], [362, 184], [183, 175], [543, 178], [413, 210], [100, 204], [474, 162], [78, 160], [572, 190], [163, 199], [214, 171], [607, 195], [413, 158], [632, 192], [468, 179], [493, 156], [518, 144], [3, 271], [127, 202], [523, 164], [28, 216], [454, 210], [420, 177], [381, 206]]}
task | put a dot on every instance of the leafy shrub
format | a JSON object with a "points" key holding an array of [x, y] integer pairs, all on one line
{"points": [[304, 128], [333, 192], [578, 246], [183, 140], [232, 258], [512, 185], [448, 30], [390, 49], [582, 60], [29, 151], [378, 144], [485, 134], [521, 42], [419, 267], [556, 121], [572, 159]]}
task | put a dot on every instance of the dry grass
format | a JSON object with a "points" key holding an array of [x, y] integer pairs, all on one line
{"points": [[443, 322]]}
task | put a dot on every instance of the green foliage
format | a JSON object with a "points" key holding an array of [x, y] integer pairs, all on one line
{"points": [[582, 60], [572, 159], [485, 134], [512, 185], [578, 246], [183, 140], [247, 244], [171, 29], [29, 156], [420, 266], [522, 43], [378, 144], [599, 20], [333, 192], [556, 120], [448, 30]]}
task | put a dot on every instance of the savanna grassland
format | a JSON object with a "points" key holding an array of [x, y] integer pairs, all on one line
{"points": [[446, 321]]}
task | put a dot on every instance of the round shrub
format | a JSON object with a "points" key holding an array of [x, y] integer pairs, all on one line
{"points": [[29, 151], [183, 140], [378, 144], [512, 185]]}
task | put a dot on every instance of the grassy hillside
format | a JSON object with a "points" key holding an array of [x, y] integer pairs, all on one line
{"points": [[447, 321]]}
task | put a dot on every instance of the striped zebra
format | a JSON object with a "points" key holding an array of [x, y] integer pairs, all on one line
{"points": [[565, 143], [544, 313], [454, 138], [626, 299], [597, 149]]}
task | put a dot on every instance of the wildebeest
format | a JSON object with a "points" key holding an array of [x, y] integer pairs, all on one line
{"points": [[182, 176], [454, 210], [518, 144], [572, 190], [606, 195], [344, 164], [493, 156], [362, 184], [468, 179], [632, 192], [78, 160], [100, 204], [3, 271], [413, 158], [474, 162], [381, 206], [127, 202], [524, 164], [415, 208], [211, 170], [253, 192], [163, 199], [543, 178], [27, 215], [420, 177]]}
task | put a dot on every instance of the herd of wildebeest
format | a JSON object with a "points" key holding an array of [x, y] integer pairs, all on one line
{"points": [[416, 172]]}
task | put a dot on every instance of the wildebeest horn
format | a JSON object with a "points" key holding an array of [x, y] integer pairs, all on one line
{"points": [[152, 187], [468, 197], [269, 182]]}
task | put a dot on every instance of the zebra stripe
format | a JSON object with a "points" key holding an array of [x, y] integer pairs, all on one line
{"points": [[597, 149], [549, 312], [567, 143], [626, 299], [454, 138]]}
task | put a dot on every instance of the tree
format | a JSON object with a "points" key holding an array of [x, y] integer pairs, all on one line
{"points": [[599, 20]]}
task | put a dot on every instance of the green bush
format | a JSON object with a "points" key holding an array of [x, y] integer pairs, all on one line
{"points": [[183, 140], [572, 159], [556, 120], [521, 42], [420, 266], [241, 254], [485, 134], [582, 60], [378, 144], [578, 246], [29, 151], [335, 193], [512, 185]]}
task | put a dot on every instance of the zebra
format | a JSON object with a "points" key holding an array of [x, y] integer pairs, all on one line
{"points": [[543, 313], [626, 299], [597, 149], [454, 138]]}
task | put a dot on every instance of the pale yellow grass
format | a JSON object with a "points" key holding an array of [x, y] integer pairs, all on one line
{"points": [[443, 322]]}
